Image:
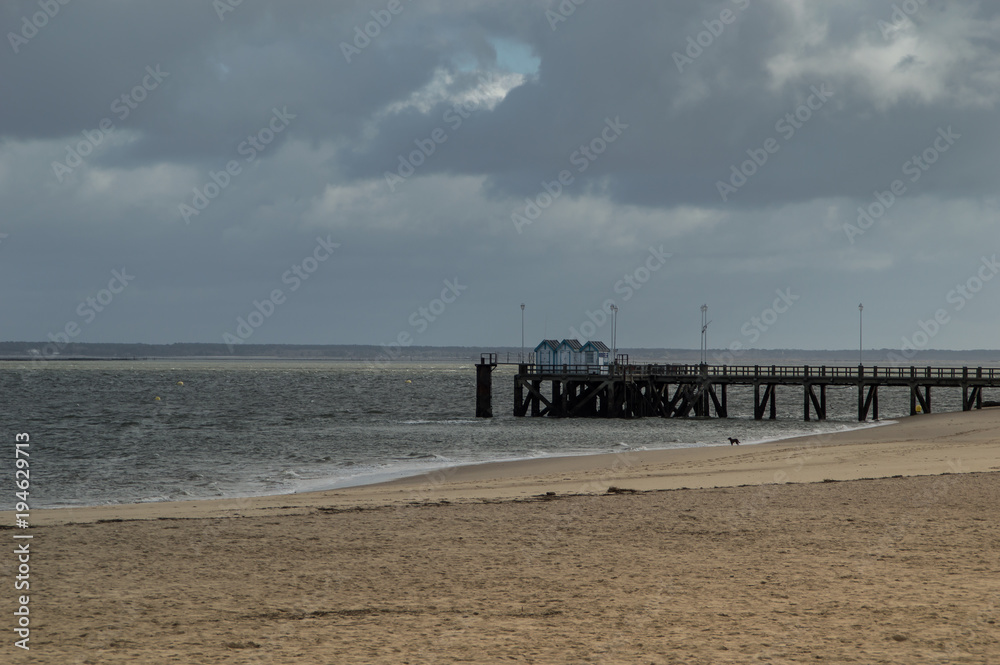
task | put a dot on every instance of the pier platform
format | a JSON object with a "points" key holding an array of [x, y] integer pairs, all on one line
{"points": [[683, 391]]}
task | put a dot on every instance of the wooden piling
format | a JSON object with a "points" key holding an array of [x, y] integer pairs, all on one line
{"points": [[484, 385]]}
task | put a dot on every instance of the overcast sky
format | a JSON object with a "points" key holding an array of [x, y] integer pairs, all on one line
{"points": [[345, 164]]}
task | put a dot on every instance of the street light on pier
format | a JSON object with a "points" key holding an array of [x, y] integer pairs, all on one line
{"points": [[861, 333], [522, 332], [614, 333], [704, 333]]}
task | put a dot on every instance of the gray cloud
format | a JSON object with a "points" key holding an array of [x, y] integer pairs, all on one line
{"points": [[893, 84]]}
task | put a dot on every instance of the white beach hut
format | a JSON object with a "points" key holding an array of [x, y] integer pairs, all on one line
{"points": [[545, 353], [596, 353], [569, 352]]}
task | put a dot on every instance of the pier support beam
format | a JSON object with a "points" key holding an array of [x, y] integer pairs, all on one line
{"points": [[720, 407], [869, 403], [484, 385], [679, 405], [768, 399], [973, 400], [534, 399], [819, 404], [584, 401], [557, 407], [924, 398], [520, 406]]}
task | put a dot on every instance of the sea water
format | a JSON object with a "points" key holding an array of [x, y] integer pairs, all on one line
{"points": [[99, 435]]}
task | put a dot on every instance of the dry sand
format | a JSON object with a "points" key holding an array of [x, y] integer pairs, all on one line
{"points": [[764, 562]]}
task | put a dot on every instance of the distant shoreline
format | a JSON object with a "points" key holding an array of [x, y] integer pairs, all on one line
{"points": [[21, 359], [21, 351]]}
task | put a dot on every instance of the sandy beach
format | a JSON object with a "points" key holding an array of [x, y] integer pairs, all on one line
{"points": [[875, 545]]}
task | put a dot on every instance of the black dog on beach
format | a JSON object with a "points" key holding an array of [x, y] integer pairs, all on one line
{"points": [[732, 441]]}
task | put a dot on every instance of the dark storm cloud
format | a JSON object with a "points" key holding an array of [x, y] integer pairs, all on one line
{"points": [[224, 74], [819, 108], [692, 126]]}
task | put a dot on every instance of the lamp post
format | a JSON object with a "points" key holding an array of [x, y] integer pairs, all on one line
{"points": [[704, 333], [522, 332], [861, 333], [614, 333]]}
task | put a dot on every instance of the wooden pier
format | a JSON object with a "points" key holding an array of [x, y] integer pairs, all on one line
{"points": [[683, 391]]}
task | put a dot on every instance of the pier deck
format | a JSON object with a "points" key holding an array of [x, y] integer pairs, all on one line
{"points": [[681, 391]]}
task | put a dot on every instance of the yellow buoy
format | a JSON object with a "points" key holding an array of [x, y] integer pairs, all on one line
{"points": [[180, 383], [408, 381], [919, 409], [157, 399]]}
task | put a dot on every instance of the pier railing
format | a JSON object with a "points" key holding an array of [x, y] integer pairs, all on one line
{"points": [[839, 372], [765, 372], [588, 370]]}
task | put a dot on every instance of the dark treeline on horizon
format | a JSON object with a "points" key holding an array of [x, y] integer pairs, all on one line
{"points": [[361, 352]]}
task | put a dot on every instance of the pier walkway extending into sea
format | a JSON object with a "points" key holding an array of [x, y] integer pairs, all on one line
{"points": [[623, 390]]}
